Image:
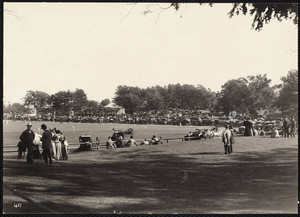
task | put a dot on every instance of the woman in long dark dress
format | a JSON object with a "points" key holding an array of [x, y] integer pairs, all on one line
{"points": [[248, 128]]}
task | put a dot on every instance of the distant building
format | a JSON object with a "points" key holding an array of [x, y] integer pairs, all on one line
{"points": [[118, 109], [32, 111]]}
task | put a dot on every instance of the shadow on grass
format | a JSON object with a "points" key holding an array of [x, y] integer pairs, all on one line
{"points": [[152, 182], [207, 153]]}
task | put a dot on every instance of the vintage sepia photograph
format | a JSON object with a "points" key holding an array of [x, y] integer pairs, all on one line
{"points": [[150, 108]]}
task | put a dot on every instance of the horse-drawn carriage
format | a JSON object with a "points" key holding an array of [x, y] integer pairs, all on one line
{"points": [[86, 143]]}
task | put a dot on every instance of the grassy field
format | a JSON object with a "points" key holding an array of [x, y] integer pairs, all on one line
{"points": [[178, 177], [13, 129]]}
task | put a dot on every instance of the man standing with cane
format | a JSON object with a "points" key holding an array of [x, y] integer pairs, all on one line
{"points": [[46, 144], [27, 138]]}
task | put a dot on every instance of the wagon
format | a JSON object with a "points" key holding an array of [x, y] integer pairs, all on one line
{"points": [[86, 143]]}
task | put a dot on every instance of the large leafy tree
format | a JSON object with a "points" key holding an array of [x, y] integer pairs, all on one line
{"points": [[61, 102], [173, 98], [79, 100], [177, 96], [154, 100], [204, 97], [262, 95], [128, 98], [37, 99], [235, 96], [263, 13], [105, 102], [288, 94], [92, 107]]}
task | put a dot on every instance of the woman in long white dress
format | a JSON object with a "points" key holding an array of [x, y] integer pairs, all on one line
{"points": [[58, 148], [53, 148]]}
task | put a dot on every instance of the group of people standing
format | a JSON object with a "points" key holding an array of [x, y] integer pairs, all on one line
{"points": [[59, 145], [53, 141], [289, 127]]}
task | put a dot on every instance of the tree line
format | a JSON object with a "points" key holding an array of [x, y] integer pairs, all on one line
{"points": [[243, 95], [61, 103]]}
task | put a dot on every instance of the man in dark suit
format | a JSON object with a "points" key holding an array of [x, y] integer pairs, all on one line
{"points": [[27, 138], [46, 144], [286, 124]]}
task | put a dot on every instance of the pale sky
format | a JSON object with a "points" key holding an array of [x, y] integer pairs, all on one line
{"points": [[97, 46]]}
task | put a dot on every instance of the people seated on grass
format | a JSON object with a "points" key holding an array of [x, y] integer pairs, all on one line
{"points": [[160, 140], [260, 131], [202, 135], [145, 142], [131, 142], [214, 128], [275, 133], [215, 132], [120, 142], [154, 140], [110, 144]]}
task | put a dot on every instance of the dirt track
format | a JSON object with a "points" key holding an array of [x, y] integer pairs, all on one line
{"points": [[189, 177]]}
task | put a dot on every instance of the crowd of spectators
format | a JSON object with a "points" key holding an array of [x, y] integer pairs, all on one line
{"points": [[177, 117], [162, 117]]}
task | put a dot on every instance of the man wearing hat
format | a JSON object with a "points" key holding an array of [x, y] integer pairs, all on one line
{"points": [[46, 144], [27, 138]]}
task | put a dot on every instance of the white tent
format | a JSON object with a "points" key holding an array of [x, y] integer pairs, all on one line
{"points": [[112, 105], [121, 111]]}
